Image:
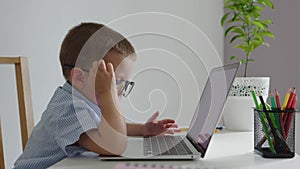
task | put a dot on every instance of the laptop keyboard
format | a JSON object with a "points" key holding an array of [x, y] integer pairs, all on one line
{"points": [[165, 145]]}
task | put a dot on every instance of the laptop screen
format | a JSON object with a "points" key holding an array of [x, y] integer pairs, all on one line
{"points": [[210, 106]]}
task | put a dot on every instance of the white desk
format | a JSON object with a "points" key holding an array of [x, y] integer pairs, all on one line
{"points": [[232, 150]]}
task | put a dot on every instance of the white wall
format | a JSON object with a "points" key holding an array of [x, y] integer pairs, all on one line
{"points": [[176, 55]]}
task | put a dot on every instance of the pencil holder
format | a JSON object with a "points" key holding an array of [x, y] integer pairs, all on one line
{"points": [[274, 133]]}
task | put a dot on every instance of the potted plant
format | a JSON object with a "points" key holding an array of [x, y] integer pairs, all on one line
{"points": [[247, 31]]}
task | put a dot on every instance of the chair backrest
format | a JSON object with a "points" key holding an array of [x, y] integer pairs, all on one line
{"points": [[24, 100]]}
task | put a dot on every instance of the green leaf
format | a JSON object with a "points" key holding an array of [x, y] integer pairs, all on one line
{"points": [[258, 24], [239, 31], [245, 48], [242, 61], [256, 44], [256, 15], [258, 36], [269, 3], [235, 20], [258, 40], [229, 30], [224, 18], [258, 8], [263, 23], [235, 16], [232, 57], [231, 7], [262, 3], [251, 48], [268, 21], [235, 37], [268, 33], [241, 46]]}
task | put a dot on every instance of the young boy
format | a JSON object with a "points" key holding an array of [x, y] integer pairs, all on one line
{"points": [[84, 117]]}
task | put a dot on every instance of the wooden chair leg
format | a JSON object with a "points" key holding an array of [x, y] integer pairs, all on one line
{"points": [[24, 99]]}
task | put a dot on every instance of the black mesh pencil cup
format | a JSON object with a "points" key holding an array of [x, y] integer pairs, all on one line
{"points": [[274, 133]]}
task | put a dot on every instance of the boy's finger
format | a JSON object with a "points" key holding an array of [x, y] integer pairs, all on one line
{"points": [[102, 65], [110, 68], [162, 133], [171, 126], [166, 121], [169, 132], [153, 117]]}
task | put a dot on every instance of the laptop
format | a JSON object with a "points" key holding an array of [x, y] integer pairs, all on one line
{"points": [[195, 143]]}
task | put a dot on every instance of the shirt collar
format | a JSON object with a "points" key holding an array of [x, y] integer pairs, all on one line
{"points": [[70, 89]]}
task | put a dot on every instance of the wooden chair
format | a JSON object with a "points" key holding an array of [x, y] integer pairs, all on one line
{"points": [[24, 100]]}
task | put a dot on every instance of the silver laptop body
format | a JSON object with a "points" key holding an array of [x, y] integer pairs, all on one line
{"points": [[195, 143]]}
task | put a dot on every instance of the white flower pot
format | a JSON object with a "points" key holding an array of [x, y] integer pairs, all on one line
{"points": [[238, 112]]}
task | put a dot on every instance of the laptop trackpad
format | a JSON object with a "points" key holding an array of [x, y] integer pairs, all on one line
{"points": [[135, 147]]}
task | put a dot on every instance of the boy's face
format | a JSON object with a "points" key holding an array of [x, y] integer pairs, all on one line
{"points": [[123, 67]]}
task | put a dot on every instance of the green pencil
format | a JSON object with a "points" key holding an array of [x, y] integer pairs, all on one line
{"points": [[275, 114], [265, 129], [254, 98]]}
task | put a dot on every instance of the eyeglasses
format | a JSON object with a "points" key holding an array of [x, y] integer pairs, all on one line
{"points": [[126, 87]]}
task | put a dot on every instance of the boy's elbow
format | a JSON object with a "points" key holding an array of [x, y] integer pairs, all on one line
{"points": [[124, 146], [122, 149], [117, 148], [112, 146], [120, 146]]}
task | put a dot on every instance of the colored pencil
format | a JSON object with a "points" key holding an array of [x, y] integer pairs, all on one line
{"points": [[290, 116], [264, 124], [275, 114], [277, 98], [289, 104]]}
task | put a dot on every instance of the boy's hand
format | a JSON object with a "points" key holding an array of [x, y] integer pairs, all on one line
{"points": [[155, 127], [105, 77]]}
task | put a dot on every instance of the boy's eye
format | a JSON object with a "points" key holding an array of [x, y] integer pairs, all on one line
{"points": [[119, 82]]}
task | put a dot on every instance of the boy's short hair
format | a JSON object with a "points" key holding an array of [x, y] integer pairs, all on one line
{"points": [[89, 42]]}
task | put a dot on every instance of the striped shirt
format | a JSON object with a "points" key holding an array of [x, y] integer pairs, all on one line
{"points": [[67, 116]]}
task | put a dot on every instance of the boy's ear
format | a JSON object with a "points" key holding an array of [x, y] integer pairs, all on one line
{"points": [[77, 76]]}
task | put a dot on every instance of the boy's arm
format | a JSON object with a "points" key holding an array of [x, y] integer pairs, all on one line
{"points": [[110, 138], [152, 127], [135, 129]]}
